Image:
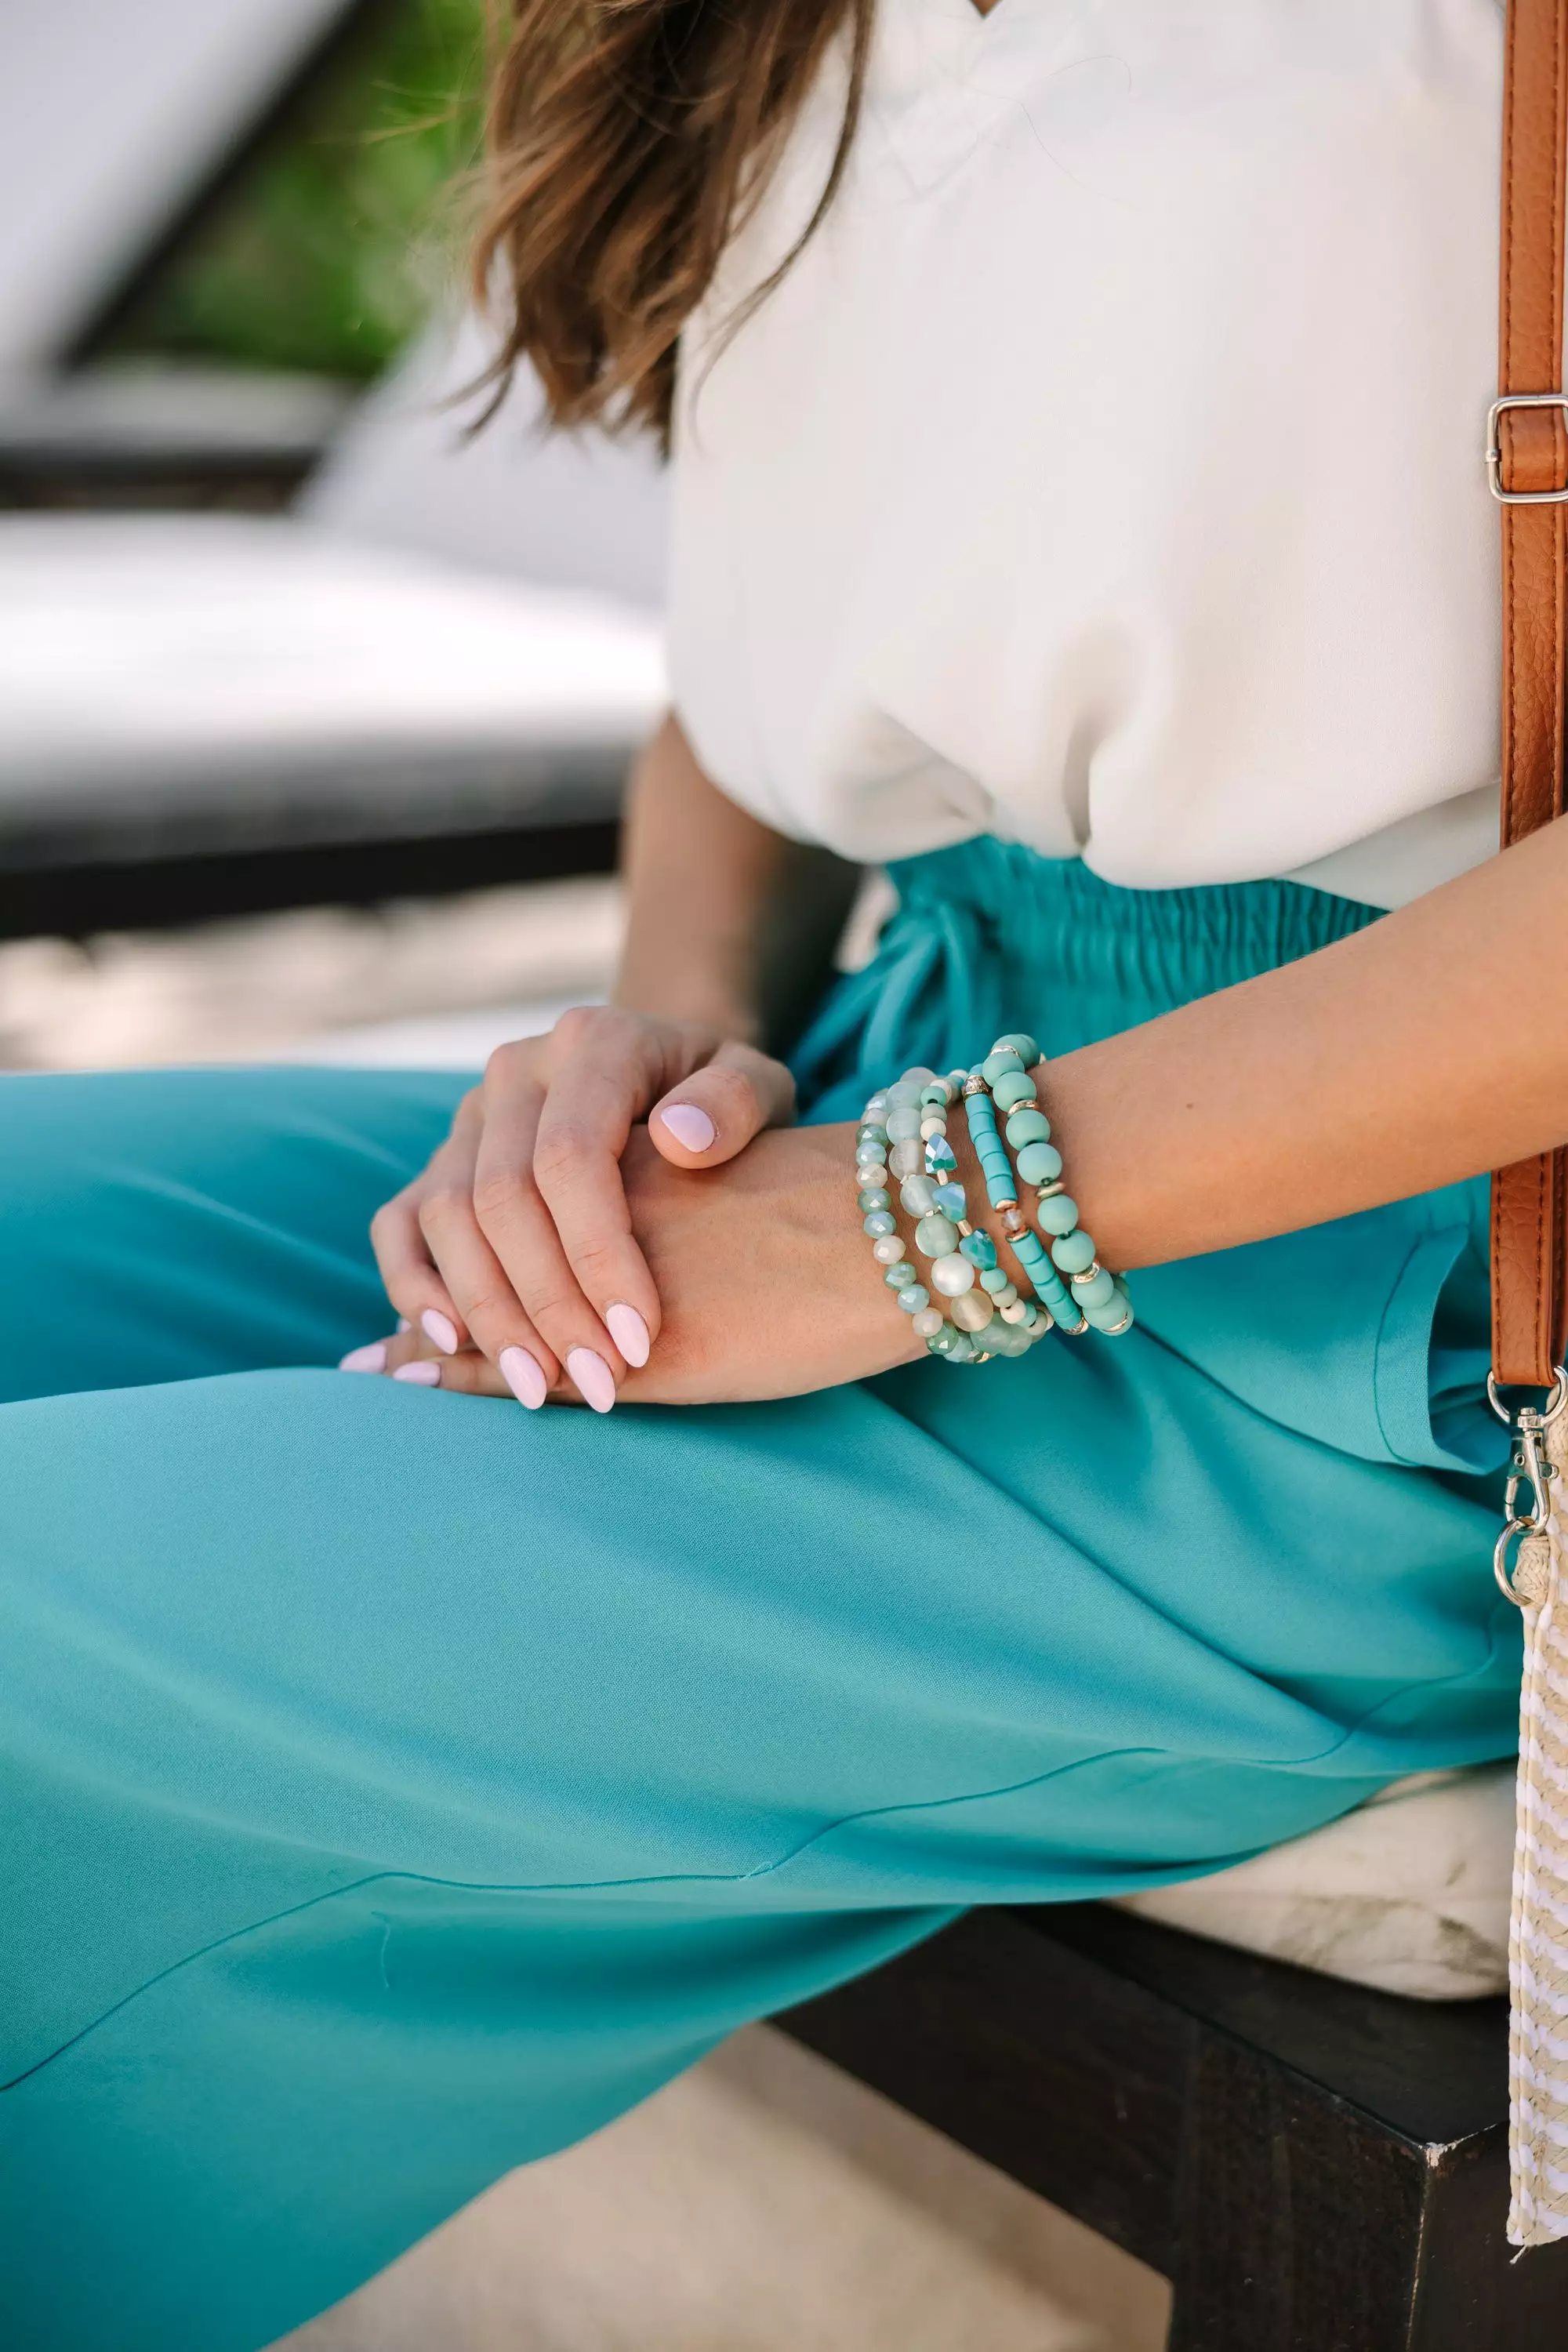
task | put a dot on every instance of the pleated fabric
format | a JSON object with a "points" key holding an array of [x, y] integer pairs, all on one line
{"points": [[395, 1787]]}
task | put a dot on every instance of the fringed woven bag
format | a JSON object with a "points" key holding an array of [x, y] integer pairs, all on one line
{"points": [[1527, 463]]}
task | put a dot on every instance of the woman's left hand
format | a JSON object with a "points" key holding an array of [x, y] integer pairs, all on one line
{"points": [[767, 1283]]}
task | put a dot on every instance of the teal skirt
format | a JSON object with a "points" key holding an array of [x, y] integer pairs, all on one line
{"points": [[395, 1787]]}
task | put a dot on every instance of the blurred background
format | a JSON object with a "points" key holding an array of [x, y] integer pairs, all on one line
{"points": [[314, 711], [314, 718]]}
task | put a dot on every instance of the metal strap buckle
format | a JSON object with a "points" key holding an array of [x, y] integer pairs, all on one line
{"points": [[1494, 449]]}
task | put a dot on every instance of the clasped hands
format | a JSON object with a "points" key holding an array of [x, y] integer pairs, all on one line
{"points": [[622, 1209]]}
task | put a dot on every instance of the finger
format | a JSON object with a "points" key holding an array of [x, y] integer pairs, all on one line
{"points": [[411, 1279], [585, 1124], [714, 1113], [488, 1310], [411, 1360], [413, 1363], [409, 1274], [593, 1100]]}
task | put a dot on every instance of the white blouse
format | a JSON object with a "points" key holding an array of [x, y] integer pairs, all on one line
{"points": [[1107, 473]]}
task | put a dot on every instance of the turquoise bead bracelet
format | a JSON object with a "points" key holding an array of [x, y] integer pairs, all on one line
{"points": [[1079, 1294]]}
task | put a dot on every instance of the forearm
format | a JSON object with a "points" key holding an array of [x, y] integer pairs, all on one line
{"points": [[729, 925], [1430, 1047]]}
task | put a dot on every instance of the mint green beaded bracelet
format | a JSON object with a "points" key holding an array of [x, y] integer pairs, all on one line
{"points": [[1079, 1294]]}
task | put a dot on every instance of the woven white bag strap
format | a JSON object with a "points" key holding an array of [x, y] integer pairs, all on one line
{"points": [[1538, 1938]]}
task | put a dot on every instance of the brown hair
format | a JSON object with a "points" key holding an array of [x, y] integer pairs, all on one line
{"points": [[627, 140]]}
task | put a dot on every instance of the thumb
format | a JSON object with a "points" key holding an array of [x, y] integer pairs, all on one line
{"points": [[714, 1113]]}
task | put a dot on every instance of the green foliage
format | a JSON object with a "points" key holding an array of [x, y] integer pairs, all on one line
{"points": [[328, 244]]}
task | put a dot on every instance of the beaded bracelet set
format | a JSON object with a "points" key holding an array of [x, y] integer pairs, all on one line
{"points": [[903, 1140]]}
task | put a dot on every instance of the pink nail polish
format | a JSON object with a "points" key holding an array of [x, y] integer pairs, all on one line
{"points": [[404, 1324], [440, 1331], [371, 1359], [691, 1128], [421, 1374], [523, 1376], [629, 1332], [595, 1381]]}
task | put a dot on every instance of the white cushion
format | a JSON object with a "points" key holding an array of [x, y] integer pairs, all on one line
{"points": [[153, 667], [1409, 1893]]}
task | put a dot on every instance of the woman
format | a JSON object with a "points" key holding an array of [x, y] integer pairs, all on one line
{"points": [[1075, 412]]}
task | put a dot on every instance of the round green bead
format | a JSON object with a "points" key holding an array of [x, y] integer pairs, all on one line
{"points": [[936, 1235], [1110, 1315], [1022, 1043], [1007, 1338], [979, 1249], [1028, 1125], [1012, 1088], [879, 1223], [914, 1297], [1059, 1214], [1039, 1163], [899, 1275], [1097, 1291], [917, 1195], [904, 1125], [993, 1277], [945, 1341], [875, 1196], [938, 1094], [1000, 1062], [962, 1351], [873, 1131], [1074, 1253]]}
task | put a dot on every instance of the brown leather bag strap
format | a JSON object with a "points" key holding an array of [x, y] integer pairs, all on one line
{"points": [[1528, 457]]}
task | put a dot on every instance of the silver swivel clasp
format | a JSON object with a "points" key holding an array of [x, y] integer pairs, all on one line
{"points": [[1528, 1466]]}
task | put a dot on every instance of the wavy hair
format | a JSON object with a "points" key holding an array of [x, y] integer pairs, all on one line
{"points": [[626, 142]]}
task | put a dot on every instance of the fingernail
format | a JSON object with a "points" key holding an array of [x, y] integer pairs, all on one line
{"points": [[371, 1359], [440, 1331], [525, 1377], [595, 1381], [404, 1324], [628, 1332], [690, 1127], [421, 1374]]}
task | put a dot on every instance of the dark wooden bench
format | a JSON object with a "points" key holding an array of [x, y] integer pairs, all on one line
{"points": [[1315, 2167]]}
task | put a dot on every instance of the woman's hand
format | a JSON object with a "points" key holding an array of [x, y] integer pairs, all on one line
{"points": [[516, 1239], [767, 1284]]}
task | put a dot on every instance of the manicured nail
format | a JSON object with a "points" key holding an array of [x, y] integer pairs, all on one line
{"points": [[595, 1381], [421, 1374], [440, 1331], [371, 1359], [404, 1324], [628, 1332], [690, 1127], [525, 1377]]}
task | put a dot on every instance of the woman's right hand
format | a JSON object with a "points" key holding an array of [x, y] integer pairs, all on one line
{"points": [[516, 1238]]}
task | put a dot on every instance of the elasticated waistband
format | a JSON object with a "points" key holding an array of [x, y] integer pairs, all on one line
{"points": [[989, 936]]}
